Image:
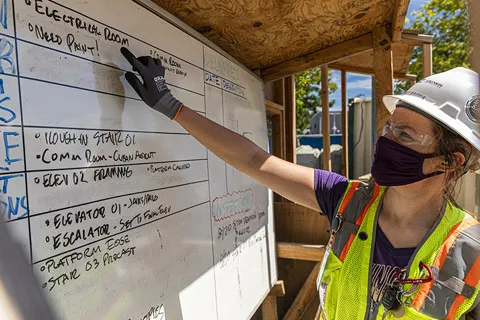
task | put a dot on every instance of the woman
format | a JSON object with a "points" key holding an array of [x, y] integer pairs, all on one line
{"points": [[400, 248]]}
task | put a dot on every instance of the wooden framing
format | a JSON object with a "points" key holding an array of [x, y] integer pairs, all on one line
{"points": [[306, 294], [290, 120], [475, 35], [370, 72], [344, 125], [418, 39], [399, 14], [427, 60], [269, 305], [319, 57], [383, 66], [327, 163], [277, 113], [298, 251]]}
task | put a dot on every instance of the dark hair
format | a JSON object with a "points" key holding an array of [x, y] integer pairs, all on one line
{"points": [[448, 144]]}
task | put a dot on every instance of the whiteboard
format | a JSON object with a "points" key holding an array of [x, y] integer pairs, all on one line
{"points": [[122, 214]]}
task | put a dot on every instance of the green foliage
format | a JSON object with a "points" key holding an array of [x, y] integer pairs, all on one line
{"points": [[307, 85], [448, 22]]}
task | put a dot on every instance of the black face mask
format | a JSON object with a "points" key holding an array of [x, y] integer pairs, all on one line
{"points": [[397, 165]]}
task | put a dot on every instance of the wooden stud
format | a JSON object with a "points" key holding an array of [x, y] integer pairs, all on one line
{"points": [[279, 91], [383, 67], [277, 107], [298, 251], [278, 289], [427, 60], [400, 10], [475, 36], [274, 107], [269, 308], [344, 125], [319, 57], [290, 120], [327, 163], [304, 297]]}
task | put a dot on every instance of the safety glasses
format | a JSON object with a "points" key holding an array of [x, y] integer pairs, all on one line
{"points": [[406, 135]]}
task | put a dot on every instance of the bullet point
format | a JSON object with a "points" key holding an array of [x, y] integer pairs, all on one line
{"points": [[42, 269], [148, 169], [47, 222], [37, 135], [47, 239], [37, 180], [38, 156], [44, 285]]}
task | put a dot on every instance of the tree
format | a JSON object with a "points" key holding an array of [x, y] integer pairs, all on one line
{"points": [[448, 22], [307, 85]]}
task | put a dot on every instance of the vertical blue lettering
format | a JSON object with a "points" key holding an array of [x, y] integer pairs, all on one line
{"points": [[5, 180], [9, 146], [4, 14], [12, 117], [13, 208], [6, 51], [24, 206]]}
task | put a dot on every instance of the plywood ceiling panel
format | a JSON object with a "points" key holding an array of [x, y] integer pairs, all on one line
{"points": [[262, 33]]}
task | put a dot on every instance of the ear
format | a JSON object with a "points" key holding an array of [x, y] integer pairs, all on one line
{"points": [[449, 167]]}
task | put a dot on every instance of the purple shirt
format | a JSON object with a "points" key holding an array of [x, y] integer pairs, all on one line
{"points": [[329, 189]]}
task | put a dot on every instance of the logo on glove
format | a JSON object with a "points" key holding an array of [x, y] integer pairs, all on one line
{"points": [[160, 82]]}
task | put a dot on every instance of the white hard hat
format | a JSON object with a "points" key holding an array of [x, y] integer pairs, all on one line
{"points": [[451, 98]]}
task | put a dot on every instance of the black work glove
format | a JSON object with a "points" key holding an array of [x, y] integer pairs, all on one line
{"points": [[154, 90]]}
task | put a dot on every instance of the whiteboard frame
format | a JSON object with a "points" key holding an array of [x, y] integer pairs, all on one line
{"points": [[170, 18]]}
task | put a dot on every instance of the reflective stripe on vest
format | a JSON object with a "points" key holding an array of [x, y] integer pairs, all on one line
{"points": [[456, 272], [356, 202], [452, 249]]}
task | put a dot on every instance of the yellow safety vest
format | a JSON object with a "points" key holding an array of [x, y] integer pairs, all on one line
{"points": [[451, 249]]}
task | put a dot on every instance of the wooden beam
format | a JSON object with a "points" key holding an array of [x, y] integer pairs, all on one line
{"points": [[290, 120], [274, 107], [278, 289], [400, 10], [475, 36], [304, 296], [370, 72], [298, 251], [418, 39], [427, 60], [344, 125], [269, 308], [383, 67], [318, 58], [269, 305], [279, 91], [327, 163]]}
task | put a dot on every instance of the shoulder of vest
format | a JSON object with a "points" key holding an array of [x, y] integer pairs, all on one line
{"points": [[356, 197]]}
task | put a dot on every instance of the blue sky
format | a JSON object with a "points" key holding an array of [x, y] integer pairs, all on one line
{"points": [[361, 84]]}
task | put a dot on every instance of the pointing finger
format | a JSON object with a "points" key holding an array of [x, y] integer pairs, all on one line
{"points": [[132, 59]]}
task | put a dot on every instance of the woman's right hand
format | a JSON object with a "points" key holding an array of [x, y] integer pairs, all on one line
{"points": [[154, 90], [289, 180]]}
